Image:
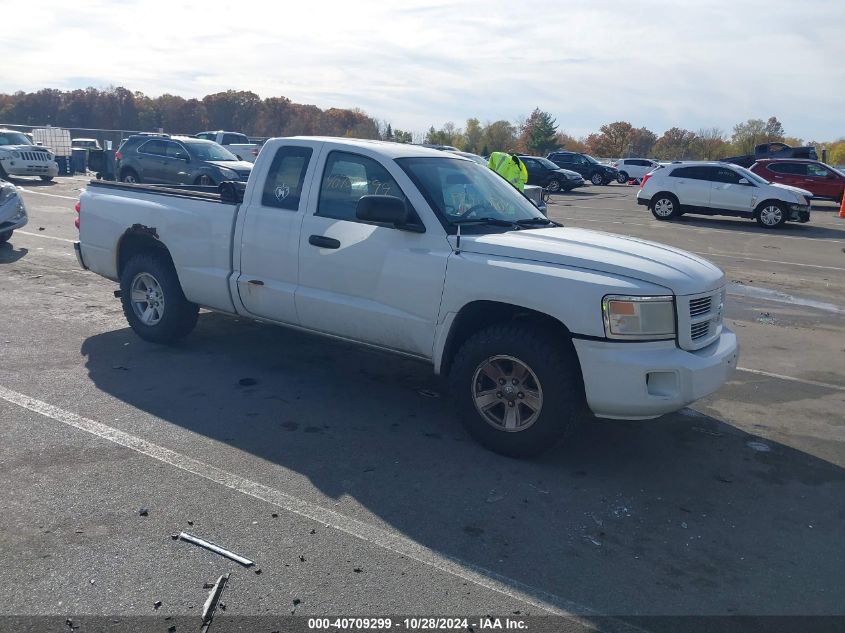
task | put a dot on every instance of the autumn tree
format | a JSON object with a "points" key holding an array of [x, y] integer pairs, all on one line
{"points": [[747, 135], [710, 143], [499, 136], [473, 135], [539, 133], [613, 140], [774, 130], [675, 144], [570, 143], [641, 142]]}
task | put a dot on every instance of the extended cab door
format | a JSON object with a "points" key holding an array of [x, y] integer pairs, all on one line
{"points": [[364, 281], [269, 234], [728, 194]]}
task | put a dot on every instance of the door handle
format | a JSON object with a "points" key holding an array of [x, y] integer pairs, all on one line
{"points": [[256, 282], [323, 242]]}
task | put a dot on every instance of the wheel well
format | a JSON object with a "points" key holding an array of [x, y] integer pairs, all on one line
{"points": [[123, 170], [757, 209], [479, 315], [664, 193], [136, 240]]}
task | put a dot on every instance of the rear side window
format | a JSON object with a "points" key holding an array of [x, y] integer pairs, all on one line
{"points": [[346, 178], [693, 173], [157, 148], [231, 139], [283, 187], [795, 169]]}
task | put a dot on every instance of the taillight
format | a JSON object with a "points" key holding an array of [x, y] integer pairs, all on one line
{"points": [[118, 155], [77, 207], [645, 180]]}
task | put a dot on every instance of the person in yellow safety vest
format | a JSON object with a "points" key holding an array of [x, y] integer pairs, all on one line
{"points": [[509, 167]]}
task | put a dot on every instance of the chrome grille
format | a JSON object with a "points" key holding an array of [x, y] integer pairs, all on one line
{"points": [[38, 156], [699, 306], [699, 330]]}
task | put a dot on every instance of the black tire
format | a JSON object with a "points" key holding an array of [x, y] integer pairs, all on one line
{"points": [[178, 316], [46, 178], [622, 178], [665, 206], [205, 180], [771, 214], [597, 179], [5, 236], [553, 185], [559, 383], [130, 176]]}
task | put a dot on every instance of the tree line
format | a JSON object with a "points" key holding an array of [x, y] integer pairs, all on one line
{"points": [[537, 133]]}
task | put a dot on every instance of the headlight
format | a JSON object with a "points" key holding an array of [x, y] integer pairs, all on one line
{"points": [[7, 190], [639, 318], [16, 154]]}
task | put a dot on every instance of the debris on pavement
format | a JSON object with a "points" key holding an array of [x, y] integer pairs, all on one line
{"points": [[212, 601], [357, 570], [190, 538], [767, 318], [143, 512], [157, 605]]}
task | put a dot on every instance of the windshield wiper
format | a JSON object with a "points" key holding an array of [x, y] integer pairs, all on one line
{"points": [[486, 220], [537, 221]]}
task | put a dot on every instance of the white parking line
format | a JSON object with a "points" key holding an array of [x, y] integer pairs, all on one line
{"points": [[803, 381], [707, 229], [44, 193], [369, 533], [768, 261], [46, 237]]}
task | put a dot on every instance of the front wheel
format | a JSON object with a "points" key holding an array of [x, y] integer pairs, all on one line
{"points": [[665, 207], [153, 301], [597, 179], [5, 236], [771, 215], [622, 178], [46, 178], [516, 388], [553, 186], [130, 176]]}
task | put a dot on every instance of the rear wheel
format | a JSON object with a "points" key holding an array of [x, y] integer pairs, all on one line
{"points": [[153, 301], [5, 236], [516, 389], [622, 178], [130, 176], [597, 179], [665, 206], [771, 215]]}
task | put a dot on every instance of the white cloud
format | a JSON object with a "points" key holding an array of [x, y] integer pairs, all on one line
{"points": [[653, 63]]}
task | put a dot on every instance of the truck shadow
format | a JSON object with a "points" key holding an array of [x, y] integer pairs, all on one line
{"points": [[743, 225], [677, 515]]}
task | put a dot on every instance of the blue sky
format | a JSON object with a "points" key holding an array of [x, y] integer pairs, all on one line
{"points": [[693, 64]]}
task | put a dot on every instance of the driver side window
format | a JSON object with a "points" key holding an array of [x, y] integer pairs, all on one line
{"points": [[346, 178]]}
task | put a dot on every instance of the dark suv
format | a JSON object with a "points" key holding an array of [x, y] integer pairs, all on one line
{"points": [[586, 165], [177, 160], [543, 172]]}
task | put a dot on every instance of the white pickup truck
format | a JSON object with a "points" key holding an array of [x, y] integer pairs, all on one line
{"points": [[237, 143], [430, 255]]}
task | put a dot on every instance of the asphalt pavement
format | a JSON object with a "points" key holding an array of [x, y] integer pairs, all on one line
{"points": [[343, 473]]}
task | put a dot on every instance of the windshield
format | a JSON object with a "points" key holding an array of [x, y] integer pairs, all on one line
{"points": [[210, 151], [752, 177], [545, 162], [592, 160], [459, 190], [14, 138]]}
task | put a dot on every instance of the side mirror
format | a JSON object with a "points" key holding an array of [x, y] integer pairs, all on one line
{"points": [[385, 209]]}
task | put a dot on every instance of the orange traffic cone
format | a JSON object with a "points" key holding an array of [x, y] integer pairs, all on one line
{"points": [[842, 206]]}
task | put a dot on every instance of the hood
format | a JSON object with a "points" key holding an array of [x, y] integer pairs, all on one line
{"points": [[568, 173], [25, 148], [238, 165], [673, 268], [798, 190]]}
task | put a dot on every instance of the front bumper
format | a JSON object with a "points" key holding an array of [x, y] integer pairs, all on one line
{"points": [[12, 214], [799, 212], [639, 381], [18, 167]]}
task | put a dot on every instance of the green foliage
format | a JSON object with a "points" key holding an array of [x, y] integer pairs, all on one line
{"points": [[675, 144], [539, 134]]}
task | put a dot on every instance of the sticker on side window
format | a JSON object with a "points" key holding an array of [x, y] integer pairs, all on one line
{"points": [[282, 192]]}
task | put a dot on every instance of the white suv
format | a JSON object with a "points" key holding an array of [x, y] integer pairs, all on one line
{"points": [[714, 188], [633, 168]]}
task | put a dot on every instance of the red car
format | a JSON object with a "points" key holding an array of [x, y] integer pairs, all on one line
{"points": [[817, 178]]}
